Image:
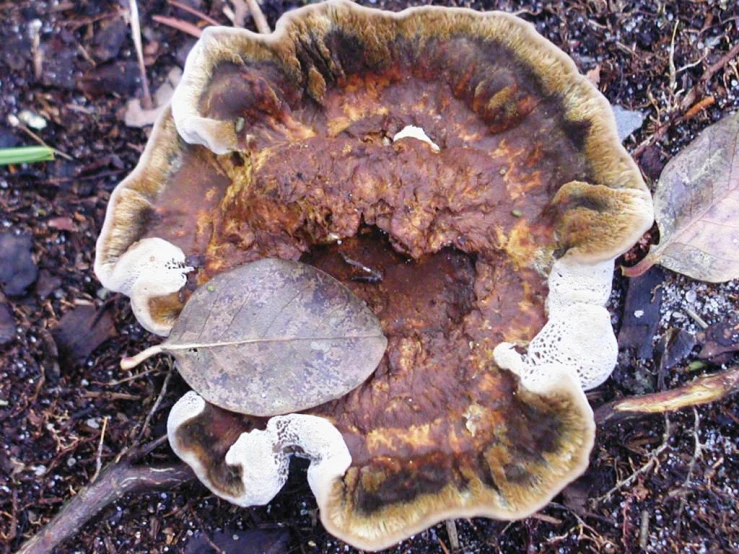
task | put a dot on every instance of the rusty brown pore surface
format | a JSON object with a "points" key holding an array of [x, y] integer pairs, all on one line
{"points": [[529, 167]]}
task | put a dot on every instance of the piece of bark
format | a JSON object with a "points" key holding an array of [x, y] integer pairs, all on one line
{"points": [[641, 313], [674, 347], [235, 541]]}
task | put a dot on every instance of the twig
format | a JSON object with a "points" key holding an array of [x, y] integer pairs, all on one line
{"points": [[695, 317], [653, 460], [688, 100], [146, 102], [238, 14], [206, 535], [193, 11], [644, 530], [718, 66], [118, 480], [37, 53], [179, 24], [703, 390], [127, 379], [155, 407], [256, 14], [99, 457], [673, 72], [451, 531], [697, 450], [698, 107], [15, 122]]}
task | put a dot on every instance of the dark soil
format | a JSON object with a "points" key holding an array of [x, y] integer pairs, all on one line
{"points": [[61, 334]]}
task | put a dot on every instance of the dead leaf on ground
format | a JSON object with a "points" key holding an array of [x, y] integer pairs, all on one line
{"points": [[80, 332], [17, 269], [273, 337], [720, 340], [674, 347], [696, 205], [121, 78]]}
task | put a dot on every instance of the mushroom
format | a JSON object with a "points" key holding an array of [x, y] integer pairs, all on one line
{"points": [[455, 171]]}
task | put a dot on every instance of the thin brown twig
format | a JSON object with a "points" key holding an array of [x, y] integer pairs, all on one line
{"points": [[99, 456], [697, 452], [702, 390], [127, 379], [206, 535], [117, 480], [193, 11], [718, 66], [156, 405], [179, 24], [23, 127], [688, 100], [653, 460]]}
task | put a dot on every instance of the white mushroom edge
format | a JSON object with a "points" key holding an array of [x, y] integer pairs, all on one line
{"points": [[578, 337], [150, 268], [264, 456]]}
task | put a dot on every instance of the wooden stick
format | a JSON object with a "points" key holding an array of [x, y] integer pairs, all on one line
{"points": [[703, 390], [193, 11], [115, 482], [136, 34]]}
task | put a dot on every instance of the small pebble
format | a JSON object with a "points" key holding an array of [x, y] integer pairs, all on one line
{"points": [[33, 120]]}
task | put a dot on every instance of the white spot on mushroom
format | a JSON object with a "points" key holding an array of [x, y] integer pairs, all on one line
{"points": [[411, 131], [473, 417]]}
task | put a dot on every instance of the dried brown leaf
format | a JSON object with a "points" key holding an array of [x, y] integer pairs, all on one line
{"points": [[273, 337], [696, 205]]}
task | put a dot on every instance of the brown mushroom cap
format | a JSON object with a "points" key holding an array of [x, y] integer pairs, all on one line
{"points": [[496, 223]]}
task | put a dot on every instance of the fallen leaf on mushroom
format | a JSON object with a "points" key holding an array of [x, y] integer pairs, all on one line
{"points": [[475, 207], [273, 337]]}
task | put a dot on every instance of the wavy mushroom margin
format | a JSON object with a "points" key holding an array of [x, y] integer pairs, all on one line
{"points": [[597, 223]]}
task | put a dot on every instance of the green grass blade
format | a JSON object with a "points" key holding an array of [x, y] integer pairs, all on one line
{"points": [[26, 155]]}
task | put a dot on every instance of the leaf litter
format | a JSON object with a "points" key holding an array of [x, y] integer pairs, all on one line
{"points": [[273, 337], [696, 202]]}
